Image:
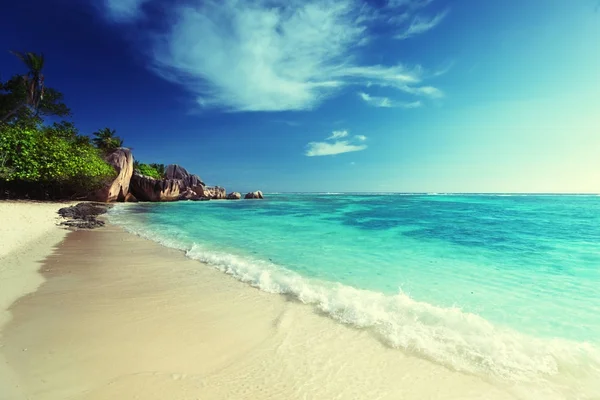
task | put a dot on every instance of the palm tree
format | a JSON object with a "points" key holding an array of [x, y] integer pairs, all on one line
{"points": [[33, 81], [106, 140]]}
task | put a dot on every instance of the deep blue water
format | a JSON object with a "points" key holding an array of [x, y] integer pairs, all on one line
{"points": [[507, 285]]}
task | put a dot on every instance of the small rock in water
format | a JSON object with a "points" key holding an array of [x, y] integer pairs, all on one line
{"points": [[254, 195]]}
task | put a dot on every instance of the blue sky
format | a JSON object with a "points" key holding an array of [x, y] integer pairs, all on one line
{"points": [[322, 95]]}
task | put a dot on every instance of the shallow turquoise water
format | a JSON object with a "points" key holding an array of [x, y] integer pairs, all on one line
{"points": [[494, 284]]}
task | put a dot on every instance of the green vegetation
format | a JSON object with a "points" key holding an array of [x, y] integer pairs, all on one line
{"points": [[44, 161], [31, 84], [106, 140], [156, 171], [62, 164], [13, 103]]}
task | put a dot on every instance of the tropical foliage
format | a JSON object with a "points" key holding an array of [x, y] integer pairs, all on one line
{"points": [[42, 160], [57, 160], [156, 171], [14, 93], [39, 160], [106, 140], [32, 84]]}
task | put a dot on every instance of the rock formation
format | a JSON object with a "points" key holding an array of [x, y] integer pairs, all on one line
{"points": [[212, 192], [145, 188], [188, 194], [130, 198], [122, 160], [254, 195], [178, 184], [187, 180]]}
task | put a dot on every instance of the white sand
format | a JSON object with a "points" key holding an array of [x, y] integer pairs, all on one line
{"points": [[120, 317], [28, 233]]}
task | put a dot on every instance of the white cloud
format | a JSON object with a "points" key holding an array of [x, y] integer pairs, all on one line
{"points": [[387, 102], [379, 73], [375, 101], [337, 146], [337, 135], [124, 10], [428, 91], [421, 25], [273, 55], [329, 149]]}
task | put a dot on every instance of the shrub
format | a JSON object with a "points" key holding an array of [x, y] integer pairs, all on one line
{"points": [[61, 163], [152, 170]]}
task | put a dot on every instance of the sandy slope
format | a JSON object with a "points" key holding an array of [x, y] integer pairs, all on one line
{"points": [[28, 233]]}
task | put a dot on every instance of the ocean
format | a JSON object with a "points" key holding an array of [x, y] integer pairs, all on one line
{"points": [[506, 287]]}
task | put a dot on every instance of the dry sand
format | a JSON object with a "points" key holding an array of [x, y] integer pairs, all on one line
{"points": [[120, 317], [28, 232]]}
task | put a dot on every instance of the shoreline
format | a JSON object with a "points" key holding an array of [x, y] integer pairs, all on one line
{"points": [[119, 316]]}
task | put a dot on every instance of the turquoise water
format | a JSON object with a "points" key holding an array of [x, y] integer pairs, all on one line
{"points": [[498, 285]]}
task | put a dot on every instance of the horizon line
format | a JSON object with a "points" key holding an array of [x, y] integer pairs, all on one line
{"points": [[447, 193]]}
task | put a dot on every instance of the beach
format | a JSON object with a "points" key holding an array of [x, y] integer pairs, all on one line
{"points": [[28, 233], [117, 316]]}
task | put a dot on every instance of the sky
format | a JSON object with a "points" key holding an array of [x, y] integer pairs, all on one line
{"points": [[332, 95]]}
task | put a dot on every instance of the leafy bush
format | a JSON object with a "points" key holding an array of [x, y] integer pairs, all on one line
{"points": [[55, 157], [156, 171]]}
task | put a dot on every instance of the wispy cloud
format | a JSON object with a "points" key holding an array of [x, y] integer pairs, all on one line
{"points": [[124, 10], [375, 101], [274, 55], [386, 102], [336, 146], [444, 69], [428, 91], [421, 25], [330, 149], [337, 135]]}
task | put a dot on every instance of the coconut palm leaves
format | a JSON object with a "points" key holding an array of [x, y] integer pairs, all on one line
{"points": [[33, 81], [106, 140]]}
